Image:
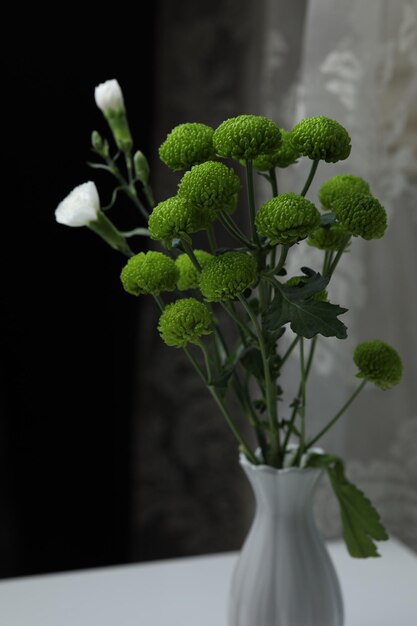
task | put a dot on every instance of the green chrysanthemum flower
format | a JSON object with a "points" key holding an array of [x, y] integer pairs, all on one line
{"points": [[184, 321], [295, 281], [283, 156], [246, 137], [287, 218], [327, 237], [211, 187], [225, 277], [149, 273], [189, 274], [340, 185], [186, 145], [321, 138], [378, 363], [361, 214], [172, 217]]}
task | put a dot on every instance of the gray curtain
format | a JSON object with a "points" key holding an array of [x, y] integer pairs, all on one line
{"points": [[359, 66], [286, 61]]}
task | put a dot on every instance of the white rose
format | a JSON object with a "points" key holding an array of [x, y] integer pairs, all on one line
{"points": [[80, 207], [109, 96]]}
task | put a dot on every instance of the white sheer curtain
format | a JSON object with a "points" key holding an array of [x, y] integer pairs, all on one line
{"points": [[358, 65]]}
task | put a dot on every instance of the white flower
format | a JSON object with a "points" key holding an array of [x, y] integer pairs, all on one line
{"points": [[80, 207], [109, 96]]}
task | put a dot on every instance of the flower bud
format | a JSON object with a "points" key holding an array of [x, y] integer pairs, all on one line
{"points": [[322, 138], [82, 208], [109, 99], [142, 169], [149, 273], [184, 321], [99, 144], [226, 276], [246, 137], [379, 363], [287, 218], [187, 145]]}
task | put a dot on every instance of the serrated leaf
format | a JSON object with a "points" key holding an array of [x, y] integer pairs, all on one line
{"points": [[272, 336], [360, 520], [251, 360], [307, 317], [312, 285]]}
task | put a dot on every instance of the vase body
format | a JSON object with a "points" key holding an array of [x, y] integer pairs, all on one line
{"points": [[284, 575]]}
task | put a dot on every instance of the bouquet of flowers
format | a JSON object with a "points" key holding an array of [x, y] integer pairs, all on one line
{"points": [[247, 280]]}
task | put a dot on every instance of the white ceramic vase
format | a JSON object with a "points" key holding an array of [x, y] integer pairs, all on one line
{"points": [[284, 575]]}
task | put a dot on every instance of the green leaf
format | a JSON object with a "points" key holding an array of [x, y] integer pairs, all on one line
{"points": [[305, 290], [142, 232], [307, 317], [360, 520], [252, 362], [220, 381], [271, 338]]}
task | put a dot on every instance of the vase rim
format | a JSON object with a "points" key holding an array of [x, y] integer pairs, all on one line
{"points": [[244, 461]]}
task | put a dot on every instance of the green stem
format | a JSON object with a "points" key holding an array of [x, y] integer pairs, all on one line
{"points": [[128, 189], [270, 389], [251, 199], [242, 326], [188, 249], [309, 180], [244, 398], [206, 362], [160, 303], [243, 445], [129, 166], [147, 190], [234, 230], [302, 410], [338, 256], [282, 259], [212, 238], [299, 393], [328, 257], [289, 350], [337, 416], [274, 182]]}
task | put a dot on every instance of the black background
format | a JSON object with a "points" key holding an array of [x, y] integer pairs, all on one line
{"points": [[66, 362]]}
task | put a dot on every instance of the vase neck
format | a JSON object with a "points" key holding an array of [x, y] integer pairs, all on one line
{"points": [[283, 491]]}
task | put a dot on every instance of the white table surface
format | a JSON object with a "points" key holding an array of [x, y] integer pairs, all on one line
{"points": [[193, 592]]}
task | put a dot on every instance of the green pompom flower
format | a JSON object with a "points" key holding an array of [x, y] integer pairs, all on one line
{"points": [[186, 145], [327, 237], [287, 218], [246, 137], [175, 216], [361, 214], [283, 156], [378, 363], [184, 321], [321, 138], [189, 275], [340, 185], [295, 281], [226, 276], [149, 273], [210, 187]]}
